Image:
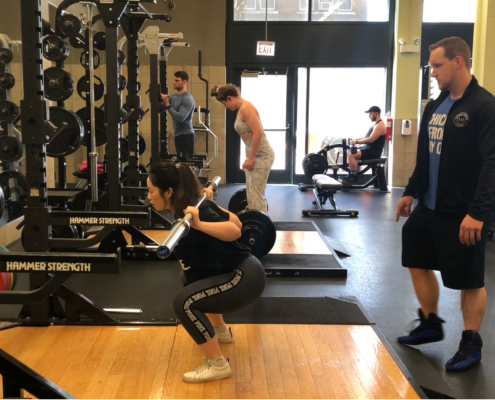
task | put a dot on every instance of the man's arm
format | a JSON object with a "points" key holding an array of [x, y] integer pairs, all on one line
{"points": [[378, 130], [185, 108], [485, 191]]}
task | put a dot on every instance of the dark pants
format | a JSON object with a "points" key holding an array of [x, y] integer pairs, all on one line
{"points": [[218, 294], [184, 145]]}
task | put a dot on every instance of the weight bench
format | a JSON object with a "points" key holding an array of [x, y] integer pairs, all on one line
{"points": [[324, 189]]}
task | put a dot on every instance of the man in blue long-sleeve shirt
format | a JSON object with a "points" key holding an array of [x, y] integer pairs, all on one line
{"points": [[180, 106]]}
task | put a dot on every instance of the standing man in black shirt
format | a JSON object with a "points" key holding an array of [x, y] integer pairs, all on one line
{"points": [[454, 182], [219, 274]]}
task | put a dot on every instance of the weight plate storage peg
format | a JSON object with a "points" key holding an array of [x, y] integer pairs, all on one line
{"points": [[7, 80], [69, 25], [55, 49], [59, 84], [8, 111], [11, 148], [258, 232], [6, 56], [70, 139], [99, 88]]}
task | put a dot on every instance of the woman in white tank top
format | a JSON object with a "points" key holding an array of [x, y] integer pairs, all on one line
{"points": [[259, 154]]}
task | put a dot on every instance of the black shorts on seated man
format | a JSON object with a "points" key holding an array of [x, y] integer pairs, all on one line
{"points": [[454, 182], [373, 142]]}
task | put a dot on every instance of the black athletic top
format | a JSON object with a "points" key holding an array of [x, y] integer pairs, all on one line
{"points": [[202, 255], [466, 174], [377, 146]]}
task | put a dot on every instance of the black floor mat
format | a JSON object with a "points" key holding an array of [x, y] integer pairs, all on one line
{"points": [[300, 310], [295, 226]]}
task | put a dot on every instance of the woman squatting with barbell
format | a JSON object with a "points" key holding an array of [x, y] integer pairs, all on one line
{"points": [[218, 273]]}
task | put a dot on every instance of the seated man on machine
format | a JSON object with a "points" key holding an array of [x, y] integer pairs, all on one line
{"points": [[373, 145]]}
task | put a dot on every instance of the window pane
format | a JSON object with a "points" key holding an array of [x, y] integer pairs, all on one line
{"points": [[338, 99], [302, 81], [268, 93], [449, 11], [350, 10], [278, 10]]}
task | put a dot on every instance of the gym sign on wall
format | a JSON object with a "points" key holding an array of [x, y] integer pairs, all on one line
{"points": [[265, 49]]}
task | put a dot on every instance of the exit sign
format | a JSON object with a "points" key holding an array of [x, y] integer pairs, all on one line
{"points": [[265, 49]]}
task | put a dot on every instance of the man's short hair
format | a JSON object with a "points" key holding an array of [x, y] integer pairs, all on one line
{"points": [[454, 46], [182, 75]]}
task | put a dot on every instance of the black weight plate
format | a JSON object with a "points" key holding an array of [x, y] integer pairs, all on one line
{"points": [[77, 42], [59, 84], [20, 182], [70, 139], [96, 59], [124, 149], [141, 167], [238, 202], [120, 58], [55, 49], [11, 148], [2, 203], [99, 88], [101, 131], [122, 82], [6, 56], [8, 111], [99, 41], [7, 80], [142, 144], [45, 27], [258, 232], [314, 164], [69, 25]]}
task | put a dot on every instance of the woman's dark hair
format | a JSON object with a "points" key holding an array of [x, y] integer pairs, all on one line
{"points": [[222, 92], [186, 189]]}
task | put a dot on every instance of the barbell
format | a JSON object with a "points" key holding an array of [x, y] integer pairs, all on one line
{"points": [[258, 231]]}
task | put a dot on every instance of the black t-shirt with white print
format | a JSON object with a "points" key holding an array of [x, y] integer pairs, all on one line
{"points": [[202, 255]]}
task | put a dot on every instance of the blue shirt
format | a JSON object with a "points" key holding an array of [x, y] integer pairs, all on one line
{"points": [[181, 110], [435, 133]]}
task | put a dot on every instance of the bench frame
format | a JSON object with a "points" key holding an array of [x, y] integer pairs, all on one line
{"points": [[321, 197], [378, 178]]}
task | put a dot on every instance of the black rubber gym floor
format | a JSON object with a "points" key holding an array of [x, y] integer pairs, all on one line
{"points": [[376, 278]]}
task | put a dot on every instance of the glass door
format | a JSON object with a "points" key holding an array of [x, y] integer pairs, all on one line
{"points": [[271, 92]]}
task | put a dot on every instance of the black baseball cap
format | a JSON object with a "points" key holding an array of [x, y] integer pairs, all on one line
{"points": [[374, 109]]}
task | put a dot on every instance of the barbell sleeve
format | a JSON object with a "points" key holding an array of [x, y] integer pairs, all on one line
{"points": [[181, 227]]}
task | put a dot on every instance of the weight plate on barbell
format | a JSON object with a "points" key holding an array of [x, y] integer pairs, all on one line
{"points": [[7, 80], [100, 125], [55, 49], [19, 182], [11, 148], [59, 84], [99, 88], [6, 56], [69, 25], [96, 59], [70, 139], [314, 164], [258, 232], [238, 201], [8, 111]]}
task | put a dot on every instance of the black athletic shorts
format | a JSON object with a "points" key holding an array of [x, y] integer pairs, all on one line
{"points": [[430, 240], [368, 154]]}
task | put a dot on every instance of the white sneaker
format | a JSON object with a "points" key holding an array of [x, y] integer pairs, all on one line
{"points": [[208, 372], [225, 337]]}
